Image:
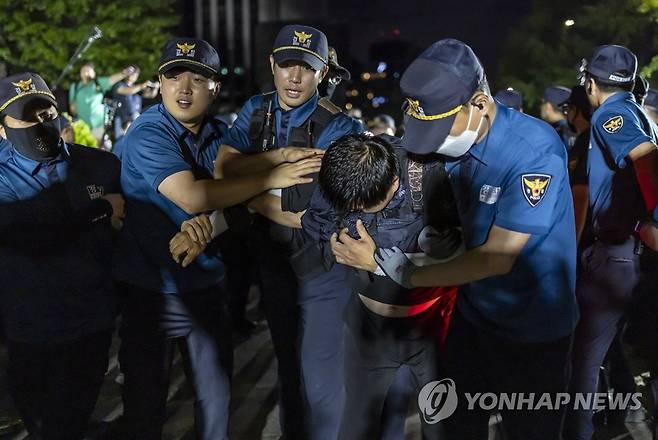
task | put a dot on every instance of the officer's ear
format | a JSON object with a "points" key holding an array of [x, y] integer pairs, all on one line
{"points": [[480, 101], [215, 87], [272, 64], [324, 72]]}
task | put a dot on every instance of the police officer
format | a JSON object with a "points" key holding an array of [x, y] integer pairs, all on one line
{"points": [[579, 113], [510, 98], [623, 187], [57, 301], [294, 122], [552, 110], [335, 76], [651, 104], [166, 175], [516, 310]]}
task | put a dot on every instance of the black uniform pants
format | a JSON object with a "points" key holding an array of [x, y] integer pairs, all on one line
{"points": [[279, 292], [151, 323], [480, 362], [375, 349], [55, 386]]}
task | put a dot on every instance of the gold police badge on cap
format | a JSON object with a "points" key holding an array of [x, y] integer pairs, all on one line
{"points": [[301, 38], [185, 49], [535, 187], [614, 124], [24, 85]]}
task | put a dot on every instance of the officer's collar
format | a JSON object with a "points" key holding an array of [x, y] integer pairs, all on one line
{"points": [[619, 96], [207, 128], [34, 166], [479, 150], [300, 114]]}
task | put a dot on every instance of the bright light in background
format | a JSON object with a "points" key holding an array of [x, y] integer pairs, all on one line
{"points": [[365, 76], [569, 22], [381, 67]]}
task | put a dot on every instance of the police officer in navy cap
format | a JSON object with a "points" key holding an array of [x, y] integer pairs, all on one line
{"points": [[288, 125], [623, 195], [651, 104], [516, 309], [553, 111], [510, 98], [172, 285], [57, 300]]}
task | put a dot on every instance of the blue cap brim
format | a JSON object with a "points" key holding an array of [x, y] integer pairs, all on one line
{"points": [[299, 55], [424, 137]]}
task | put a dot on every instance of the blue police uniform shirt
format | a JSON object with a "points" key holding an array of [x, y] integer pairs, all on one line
{"points": [[238, 135], [516, 178], [618, 126], [63, 289], [157, 146]]}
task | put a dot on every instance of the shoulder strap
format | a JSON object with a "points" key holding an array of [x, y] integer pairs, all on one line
{"points": [[306, 135], [261, 125]]}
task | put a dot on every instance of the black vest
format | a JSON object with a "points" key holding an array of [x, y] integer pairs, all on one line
{"points": [[262, 137]]}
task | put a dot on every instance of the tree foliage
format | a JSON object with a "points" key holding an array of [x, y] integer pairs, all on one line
{"points": [[543, 51], [41, 35]]}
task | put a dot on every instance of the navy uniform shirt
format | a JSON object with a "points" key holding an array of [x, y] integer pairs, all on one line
{"points": [[238, 135], [157, 146], [618, 126], [56, 244], [516, 178]]}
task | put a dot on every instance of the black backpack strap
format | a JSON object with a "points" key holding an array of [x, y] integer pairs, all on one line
{"points": [[261, 125], [307, 135]]}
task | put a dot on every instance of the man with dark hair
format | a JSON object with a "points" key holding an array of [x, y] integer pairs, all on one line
{"points": [[579, 113], [516, 309], [166, 175], [292, 123], [623, 188], [57, 299], [368, 185], [552, 110]]}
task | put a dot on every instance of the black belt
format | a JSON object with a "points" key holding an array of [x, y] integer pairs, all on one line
{"points": [[616, 239]]}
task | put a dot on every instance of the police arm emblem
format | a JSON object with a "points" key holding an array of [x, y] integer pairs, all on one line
{"points": [[535, 187], [614, 124]]}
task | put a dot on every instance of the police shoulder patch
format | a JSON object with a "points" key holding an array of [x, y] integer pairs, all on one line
{"points": [[614, 124], [535, 187]]}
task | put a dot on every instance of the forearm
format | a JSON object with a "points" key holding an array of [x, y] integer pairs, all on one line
{"points": [[471, 266], [649, 236], [130, 90], [210, 195], [269, 206], [580, 202], [115, 78], [231, 163], [646, 172]]}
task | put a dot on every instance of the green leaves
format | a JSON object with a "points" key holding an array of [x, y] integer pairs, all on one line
{"points": [[542, 51], [41, 36]]}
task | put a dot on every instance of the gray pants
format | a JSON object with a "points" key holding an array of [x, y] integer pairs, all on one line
{"points": [[151, 322]]}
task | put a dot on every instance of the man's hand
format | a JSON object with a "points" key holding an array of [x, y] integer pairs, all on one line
{"points": [[290, 174], [396, 265], [183, 247], [118, 205], [199, 229], [439, 244], [355, 253], [294, 154]]}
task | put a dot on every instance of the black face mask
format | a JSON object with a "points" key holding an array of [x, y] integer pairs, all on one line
{"points": [[39, 142], [570, 123]]}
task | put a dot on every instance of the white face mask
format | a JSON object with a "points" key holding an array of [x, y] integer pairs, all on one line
{"points": [[455, 146]]}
